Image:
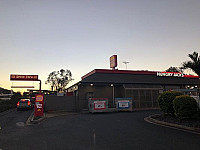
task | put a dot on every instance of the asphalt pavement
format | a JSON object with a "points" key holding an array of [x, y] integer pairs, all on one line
{"points": [[105, 131]]}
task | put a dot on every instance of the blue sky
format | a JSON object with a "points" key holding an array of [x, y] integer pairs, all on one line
{"points": [[40, 36]]}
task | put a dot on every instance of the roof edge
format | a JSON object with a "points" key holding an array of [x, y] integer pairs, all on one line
{"points": [[142, 72], [119, 72]]}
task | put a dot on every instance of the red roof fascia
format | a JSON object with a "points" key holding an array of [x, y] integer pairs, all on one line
{"points": [[88, 74], [126, 71], [119, 72], [191, 76]]}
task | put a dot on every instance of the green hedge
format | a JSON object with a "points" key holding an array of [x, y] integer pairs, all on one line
{"points": [[8, 104], [165, 101], [185, 107], [5, 105]]}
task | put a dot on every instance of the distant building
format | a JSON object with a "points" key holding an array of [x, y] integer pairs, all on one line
{"points": [[5, 94]]}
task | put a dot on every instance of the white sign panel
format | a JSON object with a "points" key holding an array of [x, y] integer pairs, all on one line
{"points": [[170, 74], [123, 104], [38, 105], [99, 105]]}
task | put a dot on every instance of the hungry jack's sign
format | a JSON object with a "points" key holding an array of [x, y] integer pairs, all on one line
{"points": [[39, 105], [175, 74], [170, 74]]}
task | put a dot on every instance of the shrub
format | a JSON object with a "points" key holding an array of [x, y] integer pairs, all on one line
{"points": [[4, 105], [15, 98], [8, 104], [185, 107], [165, 101]]}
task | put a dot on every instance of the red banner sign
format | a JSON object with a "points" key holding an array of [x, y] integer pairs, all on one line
{"points": [[24, 77], [39, 105]]}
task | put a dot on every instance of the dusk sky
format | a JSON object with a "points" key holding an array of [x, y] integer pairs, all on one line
{"points": [[41, 36]]}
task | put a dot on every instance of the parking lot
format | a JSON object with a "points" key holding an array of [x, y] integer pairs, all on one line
{"points": [[105, 131]]}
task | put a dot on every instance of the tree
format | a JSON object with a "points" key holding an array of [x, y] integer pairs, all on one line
{"points": [[59, 79], [174, 69], [194, 64]]}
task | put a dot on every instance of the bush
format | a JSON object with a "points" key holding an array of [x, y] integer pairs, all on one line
{"points": [[15, 98], [165, 101], [8, 104], [185, 107], [4, 105]]}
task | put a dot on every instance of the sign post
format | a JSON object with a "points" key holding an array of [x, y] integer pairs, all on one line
{"points": [[39, 105], [25, 78]]}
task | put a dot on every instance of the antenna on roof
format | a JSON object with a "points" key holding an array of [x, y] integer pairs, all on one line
{"points": [[126, 62]]}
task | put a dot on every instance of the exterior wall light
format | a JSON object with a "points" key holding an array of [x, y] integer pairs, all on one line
{"points": [[111, 85], [91, 84]]}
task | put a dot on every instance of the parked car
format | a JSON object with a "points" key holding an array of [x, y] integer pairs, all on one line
{"points": [[24, 104]]}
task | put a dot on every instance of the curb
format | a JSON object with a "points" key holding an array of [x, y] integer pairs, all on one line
{"points": [[31, 120], [172, 125], [28, 122]]}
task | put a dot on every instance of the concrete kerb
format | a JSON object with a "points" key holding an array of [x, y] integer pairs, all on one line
{"points": [[172, 125], [31, 120]]}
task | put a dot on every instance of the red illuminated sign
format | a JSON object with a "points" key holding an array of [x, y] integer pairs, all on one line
{"points": [[24, 77], [175, 74], [39, 105], [113, 61], [170, 74]]}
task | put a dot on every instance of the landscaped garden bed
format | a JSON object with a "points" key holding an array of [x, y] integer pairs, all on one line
{"points": [[178, 110], [193, 122]]}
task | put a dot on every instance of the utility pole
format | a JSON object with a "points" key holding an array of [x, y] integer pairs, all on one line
{"points": [[126, 62]]}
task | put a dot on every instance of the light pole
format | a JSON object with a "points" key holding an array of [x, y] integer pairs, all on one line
{"points": [[113, 94], [126, 62]]}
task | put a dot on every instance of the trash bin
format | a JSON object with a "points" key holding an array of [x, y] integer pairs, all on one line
{"points": [[123, 104], [98, 105]]}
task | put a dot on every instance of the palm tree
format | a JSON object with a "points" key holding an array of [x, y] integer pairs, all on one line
{"points": [[174, 69], [194, 64]]}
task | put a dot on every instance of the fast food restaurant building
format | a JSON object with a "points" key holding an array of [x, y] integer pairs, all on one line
{"points": [[143, 87]]}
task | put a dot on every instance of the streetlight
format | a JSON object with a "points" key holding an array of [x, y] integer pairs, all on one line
{"points": [[113, 92], [126, 62]]}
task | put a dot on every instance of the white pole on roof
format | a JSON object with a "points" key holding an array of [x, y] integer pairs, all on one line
{"points": [[126, 62]]}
